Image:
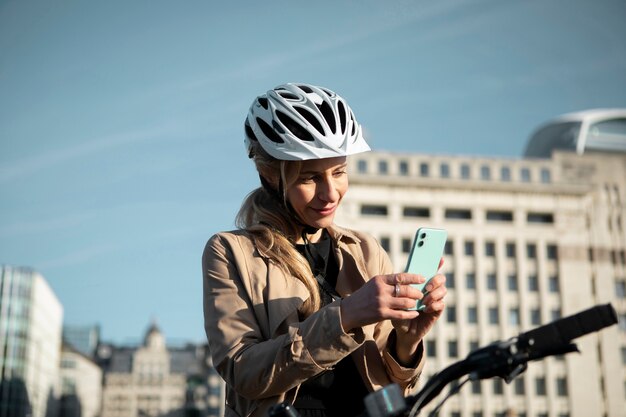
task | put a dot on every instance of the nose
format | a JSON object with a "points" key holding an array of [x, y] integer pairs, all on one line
{"points": [[327, 190]]}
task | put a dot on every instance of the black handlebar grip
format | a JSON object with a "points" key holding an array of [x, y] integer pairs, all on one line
{"points": [[562, 331]]}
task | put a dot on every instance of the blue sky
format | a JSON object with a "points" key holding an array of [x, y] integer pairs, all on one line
{"points": [[121, 148]]}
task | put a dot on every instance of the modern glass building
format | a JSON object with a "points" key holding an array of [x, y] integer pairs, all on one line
{"points": [[30, 342]]}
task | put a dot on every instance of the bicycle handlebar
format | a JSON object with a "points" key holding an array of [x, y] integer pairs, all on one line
{"points": [[506, 359]]}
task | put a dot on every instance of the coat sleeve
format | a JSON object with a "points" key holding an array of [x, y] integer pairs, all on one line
{"points": [[257, 365]]}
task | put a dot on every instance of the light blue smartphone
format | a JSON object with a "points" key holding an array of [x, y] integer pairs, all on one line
{"points": [[427, 250]]}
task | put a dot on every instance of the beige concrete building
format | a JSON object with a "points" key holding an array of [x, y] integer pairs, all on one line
{"points": [[529, 241], [156, 380], [81, 384]]}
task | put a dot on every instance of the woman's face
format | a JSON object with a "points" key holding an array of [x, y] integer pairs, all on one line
{"points": [[318, 190]]}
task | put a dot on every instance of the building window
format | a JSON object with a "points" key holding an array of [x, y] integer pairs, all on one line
{"points": [[533, 283], [490, 249], [561, 387], [362, 166], [505, 174], [406, 245], [473, 345], [531, 251], [620, 289], [469, 248], [453, 349], [492, 282], [525, 175], [512, 282], [510, 250], [499, 216], [470, 280], [476, 389], [623, 355], [545, 176], [551, 252], [458, 214], [514, 317], [385, 242], [444, 170], [540, 386], [622, 321], [424, 169], [472, 315], [493, 315], [451, 314], [450, 280], [448, 248], [465, 172], [535, 317], [403, 168], [383, 167], [485, 172], [545, 218], [498, 387], [373, 210], [553, 284], [555, 314], [416, 212], [431, 348], [518, 386]]}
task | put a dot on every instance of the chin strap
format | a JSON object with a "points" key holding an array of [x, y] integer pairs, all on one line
{"points": [[279, 195]]}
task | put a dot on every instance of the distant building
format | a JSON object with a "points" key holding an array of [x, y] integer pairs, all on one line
{"points": [[156, 380], [84, 339], [530, 241], [31, 317], [81, 384], [586, 131]]}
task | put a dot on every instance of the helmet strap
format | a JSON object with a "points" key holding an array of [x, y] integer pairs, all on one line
{"points": [[280, 196]]}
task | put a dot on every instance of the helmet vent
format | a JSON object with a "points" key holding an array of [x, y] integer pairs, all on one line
{"points": [[353, 132], [268, 131], [294, 127], [311, 119], [249, 132], [263, 102], [329, 116], [342, 116], [305, 88], [287, 95], [330, 93]]}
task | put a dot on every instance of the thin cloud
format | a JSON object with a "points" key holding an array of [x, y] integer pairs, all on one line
{"points": [[10, 171]]}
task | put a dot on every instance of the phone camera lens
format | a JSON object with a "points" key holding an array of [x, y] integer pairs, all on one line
{"points": [[423, 236], [420, 243]]}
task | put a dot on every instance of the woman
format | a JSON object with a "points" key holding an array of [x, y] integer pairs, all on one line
{"points": [[296, 308]]}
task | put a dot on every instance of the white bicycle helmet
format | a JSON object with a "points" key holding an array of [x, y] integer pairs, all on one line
{"points": [[296, 122]]}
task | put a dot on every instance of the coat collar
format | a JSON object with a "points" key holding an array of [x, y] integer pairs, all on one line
{"points": [[338, 234]]}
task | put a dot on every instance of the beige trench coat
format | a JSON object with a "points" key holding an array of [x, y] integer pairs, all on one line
{"points": [[257, 341]]}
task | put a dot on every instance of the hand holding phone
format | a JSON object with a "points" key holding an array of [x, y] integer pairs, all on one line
{"points": [[425, 256]]}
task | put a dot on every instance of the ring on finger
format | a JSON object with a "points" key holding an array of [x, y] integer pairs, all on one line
{"points": [[396, 290]]}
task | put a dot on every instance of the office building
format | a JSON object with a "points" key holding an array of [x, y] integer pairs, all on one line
{"points": [[30, 343], [530, 240]]}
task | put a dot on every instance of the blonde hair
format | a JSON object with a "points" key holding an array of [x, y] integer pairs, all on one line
{"points": [[272, 227]]}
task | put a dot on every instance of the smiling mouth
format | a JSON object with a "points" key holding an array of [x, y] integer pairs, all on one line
{"points": [[325, 211]]}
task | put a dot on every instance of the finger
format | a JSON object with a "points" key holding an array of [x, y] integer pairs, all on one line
{"points": [[408, 278], [435, 307], [437, 281], [440, 264]]}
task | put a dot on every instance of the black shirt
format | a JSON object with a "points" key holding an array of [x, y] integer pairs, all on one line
{"points": [[340, 391]]}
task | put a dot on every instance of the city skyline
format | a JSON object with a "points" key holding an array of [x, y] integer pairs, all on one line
{"points": [[121, 139]]}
